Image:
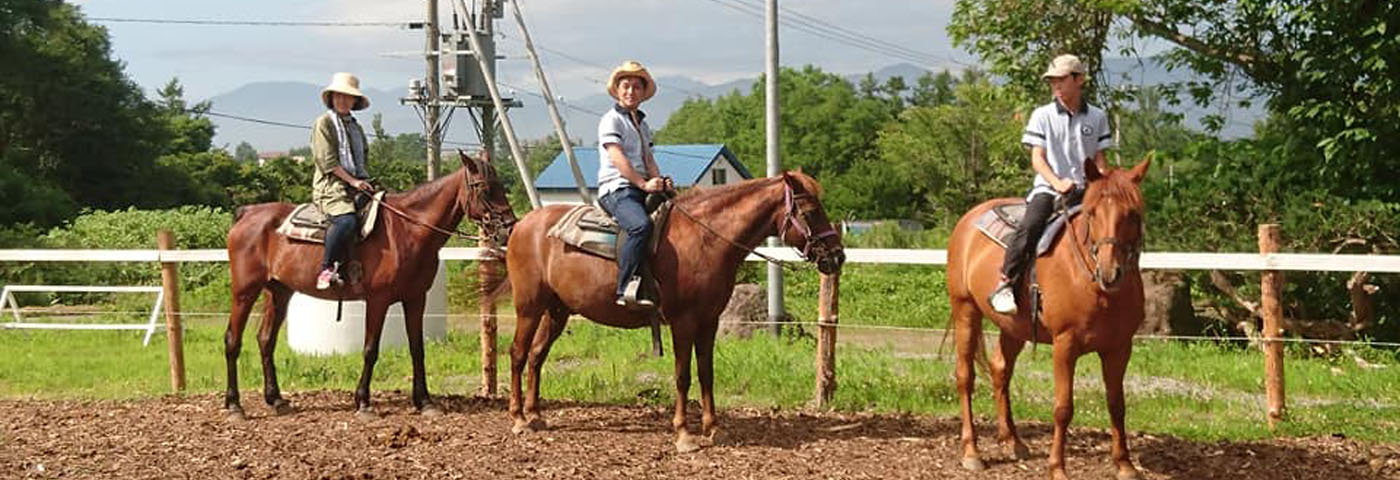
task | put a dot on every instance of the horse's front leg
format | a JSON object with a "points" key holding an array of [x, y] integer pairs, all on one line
{"points": [[682, 339], [413, 325], [1065, 356], [243, 300], [274, 314], [375, 308], [1115, 365], [705, 356]]}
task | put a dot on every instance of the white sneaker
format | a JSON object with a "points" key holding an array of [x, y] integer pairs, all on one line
{"points": [[1003, 299]]}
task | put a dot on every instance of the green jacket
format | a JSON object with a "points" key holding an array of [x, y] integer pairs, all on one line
{"points": [[329, 192]]}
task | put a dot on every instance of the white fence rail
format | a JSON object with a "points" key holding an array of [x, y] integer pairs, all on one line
{"points": [[1315, 262], [7, 298]]}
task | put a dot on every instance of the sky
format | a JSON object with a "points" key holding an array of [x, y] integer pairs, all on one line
{"points": [[712, 41]]}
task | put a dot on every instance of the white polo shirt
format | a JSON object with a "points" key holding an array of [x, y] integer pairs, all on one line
{"points": [[1068, 139], [616, 128]]}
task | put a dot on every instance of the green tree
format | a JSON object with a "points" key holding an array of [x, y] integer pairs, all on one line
{"points": [[245, 153], [74, 130]]}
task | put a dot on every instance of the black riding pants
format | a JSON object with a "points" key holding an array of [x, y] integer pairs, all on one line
{"points": [[1021, 251]]}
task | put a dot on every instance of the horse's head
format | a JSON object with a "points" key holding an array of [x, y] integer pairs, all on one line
{"points": [[805, 226], [484, 198], [1113, 210]]}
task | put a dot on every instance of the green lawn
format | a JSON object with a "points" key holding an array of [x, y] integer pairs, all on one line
{"points": [[1194, 390]]}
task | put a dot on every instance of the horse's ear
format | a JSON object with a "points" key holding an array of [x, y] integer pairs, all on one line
{"points": [[467, 162], [1140, 170], [1091, 170]]}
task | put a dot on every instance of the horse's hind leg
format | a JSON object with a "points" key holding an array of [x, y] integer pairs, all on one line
{"points": [[682, 338], [413, 325], [527, 321], [375, 308], [1064, 357], [1003, 365], [967, 336], [1115, 365], [243, 299], [545, 335], [274, 313]]}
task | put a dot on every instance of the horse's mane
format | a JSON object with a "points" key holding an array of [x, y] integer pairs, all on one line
{"points": [[1118, 187], [424, 189], [700, 194]]}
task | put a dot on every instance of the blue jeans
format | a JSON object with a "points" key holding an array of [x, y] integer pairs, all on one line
{"points": [[340, 236], [626, 206]]}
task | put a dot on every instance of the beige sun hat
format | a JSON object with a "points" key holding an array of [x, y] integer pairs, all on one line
{"points": [[1063, 65], [631, 69], [348, 84]]}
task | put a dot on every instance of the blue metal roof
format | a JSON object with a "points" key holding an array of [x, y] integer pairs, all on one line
{"points": [[683, 163]]}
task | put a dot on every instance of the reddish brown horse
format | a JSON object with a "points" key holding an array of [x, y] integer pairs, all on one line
{"points": [[707, 238], [399, 258], [1092, 302]]}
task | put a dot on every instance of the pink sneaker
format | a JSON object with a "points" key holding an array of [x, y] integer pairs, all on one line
{"points": [[324, 280]]}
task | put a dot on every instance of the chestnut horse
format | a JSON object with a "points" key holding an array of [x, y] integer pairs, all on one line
{"points": [[711, 231], [1092, 301], [400, 259]]}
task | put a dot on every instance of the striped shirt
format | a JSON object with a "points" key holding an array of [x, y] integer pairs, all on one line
{"points": [[1069, 139]]}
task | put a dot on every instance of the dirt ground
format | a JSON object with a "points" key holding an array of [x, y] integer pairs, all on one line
{"points": [[187, 437]]}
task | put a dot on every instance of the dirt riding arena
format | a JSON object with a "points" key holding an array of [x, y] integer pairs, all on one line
{"points": [[187, 437]]}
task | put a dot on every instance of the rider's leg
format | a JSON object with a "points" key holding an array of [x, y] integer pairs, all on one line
{"points": [[1021, 251], [626, 206]]}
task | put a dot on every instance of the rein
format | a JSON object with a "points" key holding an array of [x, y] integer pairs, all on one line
{"points": [[491, 219], [789, 217], [1086, 263]]}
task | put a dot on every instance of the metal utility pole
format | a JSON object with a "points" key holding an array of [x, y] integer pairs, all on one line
{"points": [[770, 90], [432, 110], [553, 109], [489, 73]]}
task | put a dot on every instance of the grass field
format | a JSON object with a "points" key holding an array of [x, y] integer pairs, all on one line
{"points": [[1192, 390]]}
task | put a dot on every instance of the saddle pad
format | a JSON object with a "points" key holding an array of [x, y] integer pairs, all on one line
{"points": [[592, 230], [308, 223], [999, 224]]}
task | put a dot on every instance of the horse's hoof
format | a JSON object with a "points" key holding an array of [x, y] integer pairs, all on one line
{"points": [[520, 427], [235, 416], [366, 414], [710, 439], [430, 410], [537, 424], [973, 464], [282, 407], [686, 443], [1058, 474], [1129, 473], [1018, 451]]}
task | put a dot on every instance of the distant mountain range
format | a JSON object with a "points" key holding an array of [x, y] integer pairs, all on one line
{"points": [[298, 104]]}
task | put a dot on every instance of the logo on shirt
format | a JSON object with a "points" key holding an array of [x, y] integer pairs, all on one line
{"points": [[1086, 130]]}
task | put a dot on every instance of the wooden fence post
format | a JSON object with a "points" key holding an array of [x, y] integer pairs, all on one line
{"points": [[827, 314], [486, 270], [1270, 290], [174, 334]]}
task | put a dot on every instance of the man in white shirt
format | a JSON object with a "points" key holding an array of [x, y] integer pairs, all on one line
{"points": [[627, 171], [1062, 136]]}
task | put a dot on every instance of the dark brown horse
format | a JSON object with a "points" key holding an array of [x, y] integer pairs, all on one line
{"points": [[709, 234], [1092, 302], [399, 259]]}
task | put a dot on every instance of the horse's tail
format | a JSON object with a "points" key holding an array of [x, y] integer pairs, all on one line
{"points": [[496, 283], [982, 361]]}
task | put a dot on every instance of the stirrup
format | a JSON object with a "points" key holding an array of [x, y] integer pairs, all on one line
{"points": [[631, 295]]}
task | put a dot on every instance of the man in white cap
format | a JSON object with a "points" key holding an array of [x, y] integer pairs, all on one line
{"points": [[627, 171], [338, 149], [1062, 136]]}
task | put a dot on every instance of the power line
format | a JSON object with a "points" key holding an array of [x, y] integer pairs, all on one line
{"points": [[820, 28], [598, 66], [304, 127], [256, 23]]}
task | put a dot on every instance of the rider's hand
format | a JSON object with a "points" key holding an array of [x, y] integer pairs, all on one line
{"points": [[654, 184], [363, 186], [1062, 185]]}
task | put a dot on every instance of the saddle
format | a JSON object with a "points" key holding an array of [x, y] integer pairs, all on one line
{"points": [[308, 223], [592, 230], [1000, 222]]}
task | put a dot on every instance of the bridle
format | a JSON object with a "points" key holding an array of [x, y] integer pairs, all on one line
{"points": [[1089, 264], [799, 217]]}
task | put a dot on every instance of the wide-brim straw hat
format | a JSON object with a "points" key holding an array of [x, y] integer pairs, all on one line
{"points": [[631, 69], [1063, 65], [348, 84]]}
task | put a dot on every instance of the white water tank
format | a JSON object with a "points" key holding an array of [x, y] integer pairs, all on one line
{"points": [[312, 329]]}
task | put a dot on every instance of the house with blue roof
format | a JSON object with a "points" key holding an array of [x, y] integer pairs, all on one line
{"points": [[687, 165]]}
